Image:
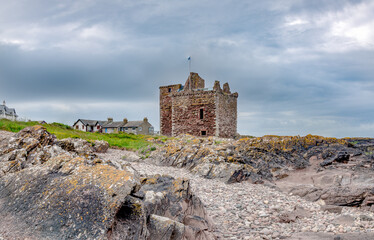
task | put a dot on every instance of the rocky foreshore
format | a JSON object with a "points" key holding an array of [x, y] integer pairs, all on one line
{"points": [[335, 171], [60, 189], [262, 211], [190, 188]]}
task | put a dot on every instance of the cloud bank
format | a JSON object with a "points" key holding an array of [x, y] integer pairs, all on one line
{"points": [[299, 66]]}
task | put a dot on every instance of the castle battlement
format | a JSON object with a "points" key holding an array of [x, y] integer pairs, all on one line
{"points": [[191, 108]]}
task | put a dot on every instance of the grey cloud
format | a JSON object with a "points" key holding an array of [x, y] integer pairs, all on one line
{"points": [[94, 59]]}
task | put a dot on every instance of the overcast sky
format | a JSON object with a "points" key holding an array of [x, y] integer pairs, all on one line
{"points": [[299, 66]]}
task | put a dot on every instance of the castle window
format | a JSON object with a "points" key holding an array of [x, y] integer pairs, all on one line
{"points": [[169, 89], [203, 133], [201, 113]]}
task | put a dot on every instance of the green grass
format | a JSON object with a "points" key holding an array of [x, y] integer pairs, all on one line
{"points": [[121, 140]]}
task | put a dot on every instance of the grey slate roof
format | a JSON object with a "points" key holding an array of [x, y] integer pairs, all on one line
{"points": [[102, 122], [106, 124], [8, 111], [129, 124], [133, 124], [113, 124], [87, 122]]}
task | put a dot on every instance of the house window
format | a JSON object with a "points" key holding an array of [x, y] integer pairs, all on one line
{"points": [[150, 130], [140, 128], [82, 127], [203, 133], [169, 90], [134, 128], [126, 128], [201, 113]]}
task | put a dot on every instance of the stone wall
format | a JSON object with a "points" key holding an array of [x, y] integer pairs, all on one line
{"points": [[165, 108], [186, 113], [194, 81], [226, 114], [181, 107]]}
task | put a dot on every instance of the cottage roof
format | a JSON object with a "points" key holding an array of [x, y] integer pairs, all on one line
{"points": [[133, 123], [113, 124], [88, 122], [101, 122], [8, 111]]}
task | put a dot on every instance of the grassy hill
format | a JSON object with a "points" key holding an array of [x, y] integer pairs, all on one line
{"points": [[122, 140]]}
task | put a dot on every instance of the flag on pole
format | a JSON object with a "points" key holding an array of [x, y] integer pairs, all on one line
{"points": [[189, 63]]}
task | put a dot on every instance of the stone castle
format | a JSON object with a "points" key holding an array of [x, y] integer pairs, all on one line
{"points": [[198, 111]]}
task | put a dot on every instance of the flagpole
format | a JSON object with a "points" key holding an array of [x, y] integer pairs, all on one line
{"points": [[189, 64]]}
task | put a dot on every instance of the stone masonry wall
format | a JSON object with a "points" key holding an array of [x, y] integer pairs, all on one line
{"points": [[165, 108], [186, 113], [226, 114], [180, 109]]}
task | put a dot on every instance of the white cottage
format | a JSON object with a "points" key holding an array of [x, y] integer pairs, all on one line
{"points": [[87, 125], [8, 113]]}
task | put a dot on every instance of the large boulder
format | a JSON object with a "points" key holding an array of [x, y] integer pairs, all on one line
{"points": [[77, 145], [101, 146], [66, 195]]}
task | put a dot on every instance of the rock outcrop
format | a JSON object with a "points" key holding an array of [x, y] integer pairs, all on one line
{"points": [[254, 159], [338, 171], [59, 189]]}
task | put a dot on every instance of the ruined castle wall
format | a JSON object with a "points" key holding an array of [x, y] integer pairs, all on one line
{"points": [[186, 113], [166, 108], [226, 105]]}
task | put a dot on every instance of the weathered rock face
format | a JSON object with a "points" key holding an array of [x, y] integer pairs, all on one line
{"points": [[79, 146], [47, 192], [339, 175], [254, 159], [101, 146]]}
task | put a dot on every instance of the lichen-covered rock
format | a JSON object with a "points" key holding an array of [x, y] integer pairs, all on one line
{"points": [[258, 159], [53, 191], [101, 146], [77, 145]]}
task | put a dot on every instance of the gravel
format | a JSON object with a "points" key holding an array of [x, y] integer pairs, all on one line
{"points": [[250, 211]]}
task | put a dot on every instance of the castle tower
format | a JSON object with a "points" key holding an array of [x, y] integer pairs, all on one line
{"points": [[194, 110]]}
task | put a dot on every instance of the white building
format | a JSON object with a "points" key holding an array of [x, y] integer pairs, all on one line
{"points": [[87, 125], [8, 113]]}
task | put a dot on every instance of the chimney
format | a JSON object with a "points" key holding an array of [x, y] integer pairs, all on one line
{"points": [[125, 120], [226, 88], [110, 119], [145, 119], [217, 86]]}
